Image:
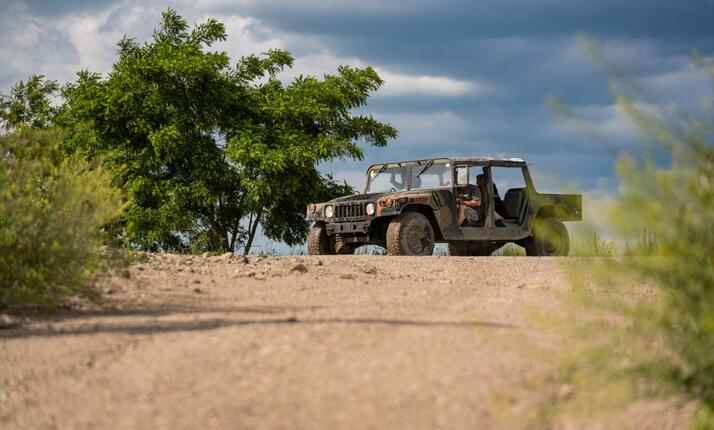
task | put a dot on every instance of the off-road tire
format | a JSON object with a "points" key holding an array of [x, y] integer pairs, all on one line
{"points": [[410, 234], [549, 239], [319, 242]]}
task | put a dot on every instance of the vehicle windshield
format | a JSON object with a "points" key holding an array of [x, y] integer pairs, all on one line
{"points": [[387, 177], [431, 174]]}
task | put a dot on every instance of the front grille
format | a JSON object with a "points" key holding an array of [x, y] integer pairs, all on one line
{"points": [[349, 211]]}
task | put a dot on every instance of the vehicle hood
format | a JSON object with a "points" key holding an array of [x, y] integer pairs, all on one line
{"points": [[358, 197], [375, 196]]}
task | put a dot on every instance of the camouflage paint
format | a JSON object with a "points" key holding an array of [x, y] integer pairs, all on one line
{"points": [[441, 203]]}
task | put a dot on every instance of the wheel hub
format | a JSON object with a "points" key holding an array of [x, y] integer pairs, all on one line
{"points": [[415, 240]]}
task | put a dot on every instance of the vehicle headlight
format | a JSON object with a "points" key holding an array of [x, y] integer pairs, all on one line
{"points": [[329, 211], [369, 209], [386, 203]]}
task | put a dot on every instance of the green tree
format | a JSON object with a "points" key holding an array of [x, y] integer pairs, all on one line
{"points": [[28, 104], [203, 147], [158, 117], [291, 130]]}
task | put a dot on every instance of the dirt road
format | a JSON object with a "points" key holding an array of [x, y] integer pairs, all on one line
{"points": [[298, 342]]}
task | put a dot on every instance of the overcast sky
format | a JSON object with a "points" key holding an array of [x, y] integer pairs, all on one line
{"points": [[463, 77]]}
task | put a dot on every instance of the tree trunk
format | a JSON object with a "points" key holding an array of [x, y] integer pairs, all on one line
{"points": [[236, 223], [232, 246], [219, 239], [253, 228]]}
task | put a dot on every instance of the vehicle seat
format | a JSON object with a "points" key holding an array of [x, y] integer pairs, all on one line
{"points": [[514, 202]]}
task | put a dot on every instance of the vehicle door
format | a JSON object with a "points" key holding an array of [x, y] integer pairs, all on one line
{"points": [[464, 175], [509, 186]]}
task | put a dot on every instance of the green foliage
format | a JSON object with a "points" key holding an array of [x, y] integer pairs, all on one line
{"points": [[52, 210], [157, 118], [592, 245], [676, 203], [294, 128], [28, 104], [203, 147], [666, 207], [703, 419], [510, 250], [645, 245]]}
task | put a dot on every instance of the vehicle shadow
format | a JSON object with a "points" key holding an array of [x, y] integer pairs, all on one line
{"points": [[157, 327], [170, 309]]}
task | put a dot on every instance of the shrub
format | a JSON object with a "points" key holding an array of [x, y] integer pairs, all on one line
{"points": [[510, 250], [52, 211], [593, 245], [676, 204], [666, 207]]}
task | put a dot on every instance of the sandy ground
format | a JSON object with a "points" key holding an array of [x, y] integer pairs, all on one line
{"points": [[300, 342]]}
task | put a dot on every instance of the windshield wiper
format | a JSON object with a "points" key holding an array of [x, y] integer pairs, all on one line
{"points": [[426, 167], [381, 169]]}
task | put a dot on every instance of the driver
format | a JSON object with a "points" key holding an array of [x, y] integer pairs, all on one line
{"points": [[469, 205], [470, 210]]}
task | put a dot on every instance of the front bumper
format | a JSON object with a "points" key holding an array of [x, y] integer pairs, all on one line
{"points": [[348, 227]]}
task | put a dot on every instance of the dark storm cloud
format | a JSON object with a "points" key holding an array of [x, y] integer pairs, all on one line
{"points": [[525, 50], [516, 52], [50, 8], [464, 19], [515, 42]]}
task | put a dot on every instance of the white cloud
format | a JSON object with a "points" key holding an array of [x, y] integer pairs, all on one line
{"points": [[687, 87], [60, 46], [92, 36], [397, 84], [32, 46], [354, 178], [607, 125], [246, 36], [96, 47], [28, 37], [426, 128]]}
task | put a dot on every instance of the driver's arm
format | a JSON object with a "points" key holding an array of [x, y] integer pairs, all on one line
{"points": [[473, 203]]}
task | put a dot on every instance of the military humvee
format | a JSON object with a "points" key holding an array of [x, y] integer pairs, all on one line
{"points": [[408, 206]]}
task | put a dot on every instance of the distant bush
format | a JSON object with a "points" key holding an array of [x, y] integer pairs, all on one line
{"points": [[645, 245], [510, 250], [52, 211], [593, 245]]}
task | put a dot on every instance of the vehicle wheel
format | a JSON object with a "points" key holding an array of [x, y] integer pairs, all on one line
{"points": [[319, 242], [410, 234], [550, 238]]}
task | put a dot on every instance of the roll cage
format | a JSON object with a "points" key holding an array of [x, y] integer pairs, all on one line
{"points": [[454, 164]]}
